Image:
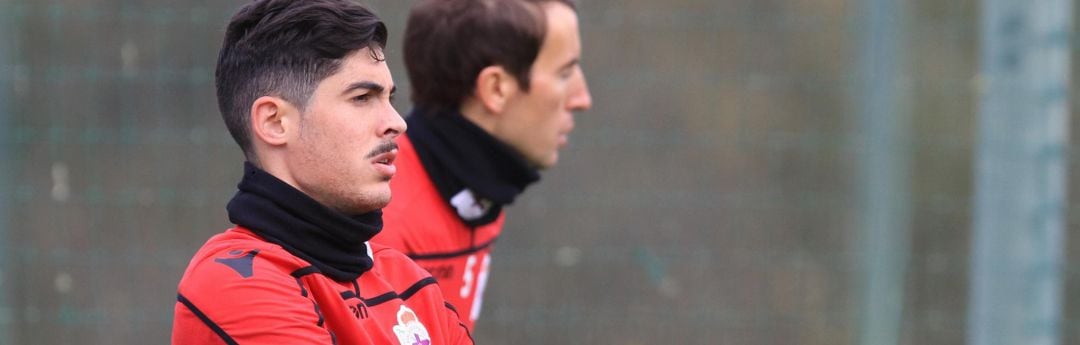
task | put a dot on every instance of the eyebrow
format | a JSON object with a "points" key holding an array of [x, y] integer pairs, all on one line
{"points": [[573, 62], [369, 85]]}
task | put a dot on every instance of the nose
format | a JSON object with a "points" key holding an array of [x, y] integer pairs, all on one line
{"points": [[580, 99], [394, 124]]}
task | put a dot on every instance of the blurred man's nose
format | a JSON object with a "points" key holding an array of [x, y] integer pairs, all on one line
{"points": [[580, 99]]}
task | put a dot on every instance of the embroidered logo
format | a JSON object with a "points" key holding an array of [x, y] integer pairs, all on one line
{"points": [[409, 330], [468, 207], [240, 262]]}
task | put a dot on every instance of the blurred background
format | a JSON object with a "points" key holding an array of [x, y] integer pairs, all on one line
{"points": [[752, 172]]}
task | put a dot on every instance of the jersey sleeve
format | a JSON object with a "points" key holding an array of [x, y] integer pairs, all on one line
{"points": [[457, 332], [245, 297]]}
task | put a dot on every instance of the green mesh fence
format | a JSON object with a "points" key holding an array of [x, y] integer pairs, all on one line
{"points": [[708, 197]]}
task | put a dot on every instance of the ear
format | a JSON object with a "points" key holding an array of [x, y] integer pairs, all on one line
{"points": [[494, 88], [273, 120]]}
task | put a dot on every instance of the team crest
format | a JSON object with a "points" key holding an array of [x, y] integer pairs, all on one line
{"points": [[409, 330]]}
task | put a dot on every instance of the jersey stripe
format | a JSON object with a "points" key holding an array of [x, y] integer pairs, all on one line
{"points": [[416, 287], [451, 307], [389, 296], [374, 301], [304, 271], [299, 273], [447, 255], [213, 326], [462, 324]]}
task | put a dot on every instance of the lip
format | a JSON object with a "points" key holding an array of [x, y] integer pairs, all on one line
{"points": [[384, 163]]}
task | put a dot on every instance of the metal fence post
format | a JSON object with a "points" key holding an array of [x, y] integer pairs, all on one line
{"points": [[884, 229], [7, 77], [1017, 254]]}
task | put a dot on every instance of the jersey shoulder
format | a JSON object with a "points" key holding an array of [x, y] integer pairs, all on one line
{"points": [[239, 254], [243, 287]]}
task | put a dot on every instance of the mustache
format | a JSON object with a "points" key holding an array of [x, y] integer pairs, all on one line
{"points": [[385, 147]]}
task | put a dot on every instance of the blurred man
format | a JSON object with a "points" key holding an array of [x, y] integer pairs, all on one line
{"points": [[305, 92], [495, 84]]}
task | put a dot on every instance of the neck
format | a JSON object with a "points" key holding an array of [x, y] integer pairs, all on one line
{"points": [[332, 242], [461, 157], [475, 111], [270, 161]]}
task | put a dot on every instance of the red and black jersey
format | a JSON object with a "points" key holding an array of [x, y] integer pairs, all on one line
{"points": [[241, 289], [453, 180], [420, 223], [294, 271]]}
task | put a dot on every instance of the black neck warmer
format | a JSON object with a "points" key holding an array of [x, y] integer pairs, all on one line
{"points": [[476, 173], [329, 240]]}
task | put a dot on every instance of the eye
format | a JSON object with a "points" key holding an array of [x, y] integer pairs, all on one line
{"points": [[362, 98], [568, 72]]}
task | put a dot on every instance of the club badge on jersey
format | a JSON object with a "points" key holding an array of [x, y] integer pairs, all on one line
{"points": [[409, 330]]}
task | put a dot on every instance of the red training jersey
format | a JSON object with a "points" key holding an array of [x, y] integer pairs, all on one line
{"points": [[420, 223], [241, 289]]}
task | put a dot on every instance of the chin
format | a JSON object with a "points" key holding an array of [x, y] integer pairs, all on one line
{"points": [[381, 199], [545, 163], [371, 200]]}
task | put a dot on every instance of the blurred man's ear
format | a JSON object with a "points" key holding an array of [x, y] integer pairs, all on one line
{"points": [[273, 121], [494, 88]]}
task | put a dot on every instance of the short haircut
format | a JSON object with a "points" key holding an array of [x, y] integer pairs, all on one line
{"points": [[448, 42], [284, 48]]}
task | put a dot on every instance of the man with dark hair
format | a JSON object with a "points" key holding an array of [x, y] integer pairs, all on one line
{"points": [[305, 92], [494, 85]]}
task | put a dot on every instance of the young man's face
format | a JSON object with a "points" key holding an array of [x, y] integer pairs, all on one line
{"points": [[344, 156], [538, 122]]}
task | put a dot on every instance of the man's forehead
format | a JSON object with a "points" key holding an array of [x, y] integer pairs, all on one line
{"points": [[361, 67], [365, 59], [562, 43]]}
